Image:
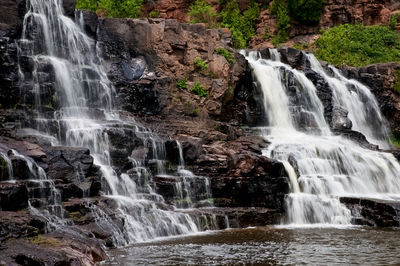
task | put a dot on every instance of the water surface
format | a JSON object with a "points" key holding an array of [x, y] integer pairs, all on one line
{"points": [[269, 246]]}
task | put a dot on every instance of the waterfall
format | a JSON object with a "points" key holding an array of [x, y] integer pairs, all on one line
{"points": [[358, 100], [191, 190], [322, 167], [83, 114]]}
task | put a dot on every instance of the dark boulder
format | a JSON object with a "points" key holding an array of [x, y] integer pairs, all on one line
{"points": [[340, 120], [69, 8], [13, 196], [68, 164]]}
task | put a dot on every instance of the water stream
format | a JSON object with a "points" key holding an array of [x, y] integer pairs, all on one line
{"points": [[323, 166], [83, 114]]}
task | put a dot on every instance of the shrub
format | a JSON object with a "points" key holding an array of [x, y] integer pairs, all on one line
{"points": [[393, 21], [200, 64], [358, 45], [241, 26], [225, 53], [199, 90], [154, 13], [87, 4], [280, 10], [306, 11], [182, 84], [113, 8], [201, 12]]}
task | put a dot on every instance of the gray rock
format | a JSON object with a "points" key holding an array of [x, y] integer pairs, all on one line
{"points": [[340, 120]]}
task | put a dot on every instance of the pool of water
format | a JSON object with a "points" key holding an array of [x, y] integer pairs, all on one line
{"points": [[268, 246]]}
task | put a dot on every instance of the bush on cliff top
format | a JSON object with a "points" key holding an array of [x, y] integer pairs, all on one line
{"points": [[241, 25], [306, 11], [358, 45], [113, 8], [201, 12]]}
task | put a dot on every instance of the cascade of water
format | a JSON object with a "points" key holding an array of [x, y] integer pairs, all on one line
{"points": [[10, 172], [322, 167], [83, 96], [358, 100], [190, 185]]}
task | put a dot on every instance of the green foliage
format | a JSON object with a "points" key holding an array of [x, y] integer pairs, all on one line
{"points": [[154, 13], [201, 12], [396, 85], [225, 53], [199, 90], [301, 46], [358, 45], [182, 84], [87, 4], [396, 142], [200, 64], [113, 8], [306, 11], [393, 21], [280, 10], [241, 25]]}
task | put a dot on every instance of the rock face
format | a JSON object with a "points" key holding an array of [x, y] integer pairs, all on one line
{"points": [[11, 13], [374, 212], [158, 53]]}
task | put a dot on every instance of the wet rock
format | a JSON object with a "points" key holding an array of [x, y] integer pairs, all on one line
{"points": [[340, 120], [294, 58], [135, 69], [20, 224], [68, 164], [166, 186], [69, 8], [13, 196], [356, 137], [90, 22], [235, 217], [240, 176], [374, 212], [53, 249], [11, 13], [23, 169]]}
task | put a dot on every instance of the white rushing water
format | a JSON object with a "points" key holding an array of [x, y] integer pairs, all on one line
{"points": [[322, 166], [85, 113]]}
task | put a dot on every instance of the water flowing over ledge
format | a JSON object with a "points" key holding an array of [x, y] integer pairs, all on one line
{"points": [[322, 166], [83, 118]]}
